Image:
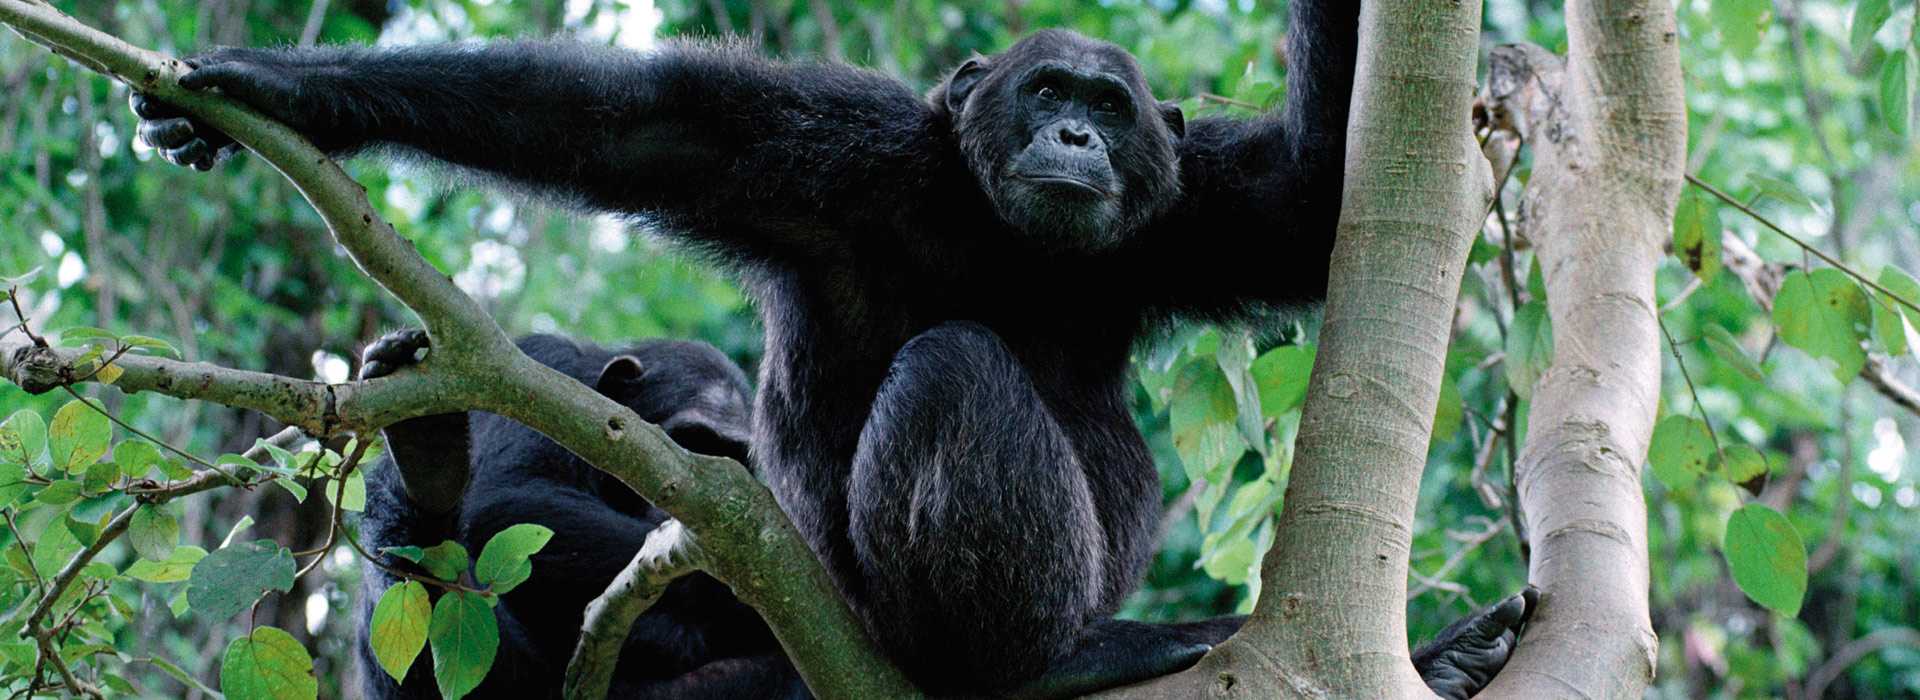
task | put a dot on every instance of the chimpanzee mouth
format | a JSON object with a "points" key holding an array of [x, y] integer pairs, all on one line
{"points": [[1074, 183]]}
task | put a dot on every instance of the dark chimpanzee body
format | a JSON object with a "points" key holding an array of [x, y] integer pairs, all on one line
{"points": [[951, 288], [697, 641]]}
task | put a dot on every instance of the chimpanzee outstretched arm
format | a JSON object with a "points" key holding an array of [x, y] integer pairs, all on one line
{"points": [[1262, 196], [711, 136]]}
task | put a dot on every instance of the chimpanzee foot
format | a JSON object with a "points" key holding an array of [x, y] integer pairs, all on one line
{"points": [[1113, 653], [391, 352], [1467, 654]]}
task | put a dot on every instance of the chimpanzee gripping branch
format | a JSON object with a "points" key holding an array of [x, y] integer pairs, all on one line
{"points": [[748, 540]]}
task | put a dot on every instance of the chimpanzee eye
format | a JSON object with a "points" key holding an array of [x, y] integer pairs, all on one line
{"points": [[1048, 93], [1107, 106]]}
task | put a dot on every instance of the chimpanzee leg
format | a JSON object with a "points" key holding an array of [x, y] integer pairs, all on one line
{"points": [[980, 550], [768, 677]]}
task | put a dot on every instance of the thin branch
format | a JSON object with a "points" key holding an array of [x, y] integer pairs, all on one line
{"points": [[1853, 652], [1804, 246], [669, 553]]}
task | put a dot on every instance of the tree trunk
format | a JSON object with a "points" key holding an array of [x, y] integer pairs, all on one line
{"points": [[1332, 620], [1608, 132]]}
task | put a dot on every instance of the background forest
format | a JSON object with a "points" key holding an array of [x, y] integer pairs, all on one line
{"points": [[1792, 391]]}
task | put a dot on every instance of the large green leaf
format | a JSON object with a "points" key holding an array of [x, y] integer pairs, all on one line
{"points": [[398, 630], [23, 438], [1202, 416], [79, 436], [267, 664], [1282, 374], [231, 578], [1768, 559], [504, 563], [465, 637], [153, 533], [177, 567], [1824, 312], [1682, 451]]}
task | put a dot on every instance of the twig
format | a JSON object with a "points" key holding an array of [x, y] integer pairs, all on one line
{"points": [[1804, 246], [668, 553], [1853, 652]]}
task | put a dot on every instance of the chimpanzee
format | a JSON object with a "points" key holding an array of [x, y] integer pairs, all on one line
{"points": [[951, 288], [697, 641]]}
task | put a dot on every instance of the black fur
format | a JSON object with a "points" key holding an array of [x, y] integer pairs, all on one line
{"points": [[697, 641], [951, 286]]}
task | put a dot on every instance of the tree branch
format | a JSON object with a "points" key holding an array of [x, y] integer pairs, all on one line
{"points": [[752, 544], [1608, 131], [668, 554]]}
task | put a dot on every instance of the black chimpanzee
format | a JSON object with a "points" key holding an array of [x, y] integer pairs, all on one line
{"points": [[951, 287], [697, 641]]}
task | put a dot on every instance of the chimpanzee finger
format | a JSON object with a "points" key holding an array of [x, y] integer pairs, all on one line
{"points": [[166, 133], [220, 75], [188, 155], [148, 107]]}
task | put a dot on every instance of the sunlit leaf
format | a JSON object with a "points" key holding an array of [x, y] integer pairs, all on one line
{"points": [[446, 561], [1896, 93], [398, 630], [1824, 313], [1681, 451], [267, 664], [23, 438], [1202, 416], [1742, 463], [78, 436], [177, 566], [1282, 374], [1868, 16], [504, 562], [1768, 559], [1741, 23]]}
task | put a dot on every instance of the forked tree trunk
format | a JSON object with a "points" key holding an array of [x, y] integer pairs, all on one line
{"points": [[1608, 132]]}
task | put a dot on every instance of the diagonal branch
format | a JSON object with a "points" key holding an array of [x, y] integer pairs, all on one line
{"points": [[751, 543]]}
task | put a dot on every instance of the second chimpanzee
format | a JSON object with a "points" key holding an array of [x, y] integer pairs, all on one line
{"points": [[467, 476]]}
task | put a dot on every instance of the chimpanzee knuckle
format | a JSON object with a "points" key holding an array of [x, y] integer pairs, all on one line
{"points": [[166, 133]]}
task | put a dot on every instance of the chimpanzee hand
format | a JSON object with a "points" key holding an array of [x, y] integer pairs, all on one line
{"points": [[391, 352], [276, 83], [1467, 654]]}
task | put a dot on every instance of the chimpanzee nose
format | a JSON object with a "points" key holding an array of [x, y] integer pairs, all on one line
{"points": [[1075, 135]]}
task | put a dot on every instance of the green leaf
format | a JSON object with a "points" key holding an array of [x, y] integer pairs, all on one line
{"points": [[53, 547], [504, 562], [100, 478], [13, 482], [81, 335], [177, 567], [1741, 464], [1825, 314], [1696, 237], [1202, 417], [1682, 450], [1868, 16], [1896, 93], [1891, 317], [1449, 412], [23, 438], [267, 664], [356, 491], [1741, 23], [1768, 559], [1235, 357], [398, 630], [59, 493], [231, 578], [446, 561], [1282, 375], [1529, 347], [1729, 349], [154, 533], [79, 436], [465, 637], [299, 492], [1900, 283], [145, 343]]}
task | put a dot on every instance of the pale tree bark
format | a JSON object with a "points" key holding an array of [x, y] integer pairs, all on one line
{"points": [[1332, 619], [1608, 132]]}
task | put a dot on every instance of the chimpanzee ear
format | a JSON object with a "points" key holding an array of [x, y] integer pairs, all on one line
{"points": [[619, 370], [960, 86], [1176, 121]]}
